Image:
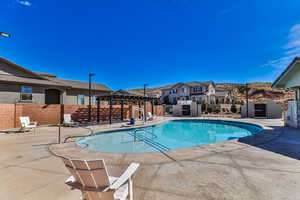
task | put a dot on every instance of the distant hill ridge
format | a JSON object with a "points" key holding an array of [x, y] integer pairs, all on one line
{"points": [[221, 85], [258, 91]]}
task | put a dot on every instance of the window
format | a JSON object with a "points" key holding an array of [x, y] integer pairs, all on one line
{"points": [[26, 93], [183, 90], [94, 100], [80, 100], [198, 89]]}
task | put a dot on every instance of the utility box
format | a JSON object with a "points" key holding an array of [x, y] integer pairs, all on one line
{"points": [[187, 108]]}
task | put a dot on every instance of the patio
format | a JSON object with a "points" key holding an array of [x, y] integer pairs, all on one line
{"points": [[263, 169]]}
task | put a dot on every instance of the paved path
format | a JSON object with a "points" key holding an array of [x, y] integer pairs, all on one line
{"points": [[230, 170]]}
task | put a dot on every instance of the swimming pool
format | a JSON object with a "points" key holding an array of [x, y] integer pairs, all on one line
{"points": [[169, 135]]}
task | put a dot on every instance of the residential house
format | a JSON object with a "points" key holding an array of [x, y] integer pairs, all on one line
{"points": [[21, 85], [223, 96], [196, 91], [290, 79]]}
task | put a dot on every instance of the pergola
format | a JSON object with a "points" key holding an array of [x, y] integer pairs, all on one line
{"points": [[119, 97]]}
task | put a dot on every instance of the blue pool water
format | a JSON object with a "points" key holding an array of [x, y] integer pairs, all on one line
{"points": [[167, 136]]}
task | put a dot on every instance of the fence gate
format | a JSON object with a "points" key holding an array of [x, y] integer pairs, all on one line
{"points": [[260, 110]]}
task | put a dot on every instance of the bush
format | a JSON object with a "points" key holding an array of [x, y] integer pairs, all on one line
{"points": [[203, 107], [209, 110], [233, 108]]}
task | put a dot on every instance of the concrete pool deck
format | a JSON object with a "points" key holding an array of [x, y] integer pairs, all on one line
{"points": [[264, 167]]}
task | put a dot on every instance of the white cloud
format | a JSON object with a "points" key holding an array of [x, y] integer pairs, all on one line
{"points": [[25, 3], [290, 50]]}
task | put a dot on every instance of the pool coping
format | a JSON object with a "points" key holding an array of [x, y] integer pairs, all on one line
{"points": [[73, 150]]}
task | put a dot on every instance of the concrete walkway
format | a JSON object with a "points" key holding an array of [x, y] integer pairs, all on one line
{"points": [[229, 170]]}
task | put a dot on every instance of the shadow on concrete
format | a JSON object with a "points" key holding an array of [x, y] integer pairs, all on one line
{"points": [[280, 140]]}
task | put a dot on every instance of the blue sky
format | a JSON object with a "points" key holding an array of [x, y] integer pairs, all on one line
{"points": [[131, 42]]}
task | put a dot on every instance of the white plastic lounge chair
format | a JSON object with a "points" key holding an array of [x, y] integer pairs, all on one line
{"points": [[91, 177], [68, 120], [26, 124], [151, 117]]}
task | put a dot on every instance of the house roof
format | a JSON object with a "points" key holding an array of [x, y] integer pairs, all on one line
{"points": [[221, 93], [80, 84], [18, 79], [126, 92], [10, 63], [277, 84], [197, 83], [190, 84], [46, 79]]}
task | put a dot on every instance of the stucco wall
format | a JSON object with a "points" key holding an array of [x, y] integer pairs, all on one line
{"points": [[273, 110], [291, 114], [195, 109], [10, 93], [72, 95], [250, 110]]}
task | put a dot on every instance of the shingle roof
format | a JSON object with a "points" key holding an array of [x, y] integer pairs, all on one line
{"points": [[191, 84], [79, 84], [221, 93], [126, 92], [46, 79], [18, 79]]}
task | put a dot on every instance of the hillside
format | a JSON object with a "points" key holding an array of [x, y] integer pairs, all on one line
{"points": [[258, 91]]}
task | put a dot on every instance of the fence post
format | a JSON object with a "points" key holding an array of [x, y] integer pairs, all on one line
{"points": [[59, 131], [62, 112]]}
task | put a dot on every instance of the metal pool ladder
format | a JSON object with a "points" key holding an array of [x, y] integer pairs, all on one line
{"points": [[145, 131], [148, 141]]}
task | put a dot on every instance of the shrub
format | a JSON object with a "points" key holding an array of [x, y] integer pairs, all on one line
{"points": [[209, 110], [233, 108], [203, 107]]}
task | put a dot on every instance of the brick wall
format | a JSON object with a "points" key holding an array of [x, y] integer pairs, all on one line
{"points": [[7, 116], [80, 113], [53, 114]]}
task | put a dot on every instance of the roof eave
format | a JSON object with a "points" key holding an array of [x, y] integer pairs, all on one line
{"points": [[21, 68], [275, 84]]}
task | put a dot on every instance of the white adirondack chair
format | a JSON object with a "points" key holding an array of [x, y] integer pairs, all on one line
{"points": [[68, 120], [26, 124], [92, 178]]}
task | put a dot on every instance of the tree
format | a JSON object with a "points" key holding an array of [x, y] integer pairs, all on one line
{"points": [[166, 100]]}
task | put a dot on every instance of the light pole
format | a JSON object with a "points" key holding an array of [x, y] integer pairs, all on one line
{"points": [[145, 118], [247, 101], [90, 94], [5, 34]]}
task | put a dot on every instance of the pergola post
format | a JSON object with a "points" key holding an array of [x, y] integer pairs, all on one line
{"points": [[139, 109], [110, 110], [122, 110], [145, 110], [152, 106], [98, 110], [120, 98]]}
